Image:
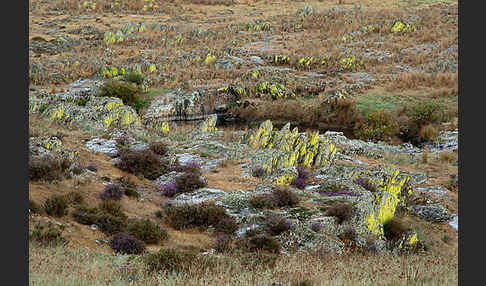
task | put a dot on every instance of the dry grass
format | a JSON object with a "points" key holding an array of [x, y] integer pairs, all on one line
{"points": [[67, 266]]}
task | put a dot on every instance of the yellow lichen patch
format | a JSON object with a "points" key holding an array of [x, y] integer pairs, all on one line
{"points": [[57, 113], [165, 127], [112, 105], [374, 225], [285, 180]]}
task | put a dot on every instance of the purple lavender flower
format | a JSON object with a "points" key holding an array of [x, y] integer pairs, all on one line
{"points": [[169, 190]]}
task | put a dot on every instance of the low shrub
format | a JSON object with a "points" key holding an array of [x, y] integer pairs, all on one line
{"points": [[127, 92], [378, 125], [125, 243], [77, 169], [258, 242], [199, 215], [170, 260], [316, 226], [48, 168], [349, 235], [193, 167], [158, 147], [276, 224], [189, 182], [56, 205], [92, 167], [35, 208], [258, 172], [342, 211], [107, 223], [144, 162], [112, 191], [111, 207], [147, 231], [46, 235], [169, 190], [285, 197], [134, 77], [303, 174], [428, 133], [394, 229], [262, 201], [130, 186], [414, 117]]}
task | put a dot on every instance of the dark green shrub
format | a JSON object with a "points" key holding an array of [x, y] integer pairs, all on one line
{"points": [[342, 211], [170, 260], [82, 101], [262, 201], [48, 168], [189, 182], [159, 148], [378, 125], [47, 235], [413, 118], [125, 243], [147, 231], [199, 215], [127, 92], [144, 162], [130, 186], [107, 223], [56, 205], [35, 208], [258, 242]]}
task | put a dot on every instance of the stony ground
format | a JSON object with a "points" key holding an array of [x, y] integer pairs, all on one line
{"points": [[207, 64]]}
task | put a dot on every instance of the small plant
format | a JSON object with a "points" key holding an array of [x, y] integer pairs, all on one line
{"points": [[107, 222], [349, 235], [170, 260], [258, 172], [193, 167], [130, 186], [147, 231], [428, 133], [447, 157], [316, 226], [144, 162], [262, 201], [277, 224], [46, 235], [258, 242], [169, 190], [378, 125], [111, 207], [77, 169], [56, 205], [189, 182], [112, 191], [159, 148], [125, 243], [341, 211], [285, 197], [134, 77]]}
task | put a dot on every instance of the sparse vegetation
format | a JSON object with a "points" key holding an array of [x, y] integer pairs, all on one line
{"points": [[48, 168], [46, 234], [56, 205]]}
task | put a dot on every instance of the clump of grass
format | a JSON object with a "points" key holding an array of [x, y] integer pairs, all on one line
{"points": [[170, 260], [125, 243], [223, 243], [276, 224], [134, 77], [112, 207], [147, 231], [74, 197], [112, 191], [448, 157], [47, 235], [48, 168], [144, 162], [35, 208], [199, 215], [342, 211], [378, 125], [258, 242], [56, 205], [428, 132]]}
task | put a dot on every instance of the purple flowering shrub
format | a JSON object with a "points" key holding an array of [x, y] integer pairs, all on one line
{"points": [[303, 175], [276, 224], [113, 192], [126, 244]]}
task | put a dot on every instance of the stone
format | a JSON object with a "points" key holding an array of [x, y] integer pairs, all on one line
{"points": [[198, 196], [434, 213]]}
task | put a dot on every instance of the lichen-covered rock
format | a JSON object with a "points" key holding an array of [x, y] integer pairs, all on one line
{"points": [[101, 145], [434, 213], [408, 241], [198, 196], [208, 125], [40, 146]]}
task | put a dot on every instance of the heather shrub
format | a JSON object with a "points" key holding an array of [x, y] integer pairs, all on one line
{"points": [[169, 190], [342, 211], [34, 207], [378, 125], [158, 147], [129, 186], [56, 205], [127, 92], [125, 243], [258, 242], [199, 215], [303, 174], [147, 231], [276, 224], [189, 182], [48, 168], [170, 260], [47, 235], [112, 191], [366, 184], [349, 235], [144, 162], [316, 226], [285, 197]]}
